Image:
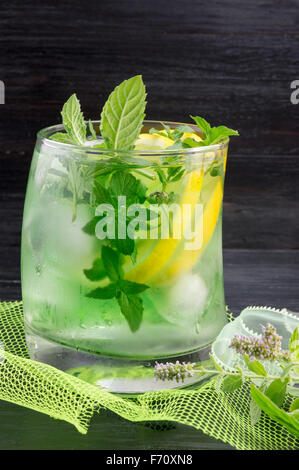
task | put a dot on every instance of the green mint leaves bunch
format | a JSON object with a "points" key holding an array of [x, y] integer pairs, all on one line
{"points": [[121, 118], [121, 184], [269, 396], [120, 126], [121, 121]]}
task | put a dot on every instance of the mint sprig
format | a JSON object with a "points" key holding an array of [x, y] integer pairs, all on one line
{"points": [[202, 124], [123, 114], [268, 392], [212, 135], [125, 292]]}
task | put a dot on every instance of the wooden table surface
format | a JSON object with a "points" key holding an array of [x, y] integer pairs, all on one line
{"points": [[252, 277]]}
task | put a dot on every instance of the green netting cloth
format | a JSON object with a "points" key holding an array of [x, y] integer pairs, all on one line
{"points": [[62, 396]]}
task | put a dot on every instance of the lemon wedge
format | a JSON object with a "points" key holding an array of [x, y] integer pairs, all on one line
{"points": [[145, 138], [162, 263], [164, 249], [185, 260], [192, 135], [152, 142]]}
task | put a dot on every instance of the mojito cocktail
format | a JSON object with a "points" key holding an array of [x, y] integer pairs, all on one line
{"points": [[122, 247]]}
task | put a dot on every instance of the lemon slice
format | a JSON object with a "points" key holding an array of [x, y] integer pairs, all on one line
{"points": [[192, 135], [152, 142], [186, 259], [164, 249]]}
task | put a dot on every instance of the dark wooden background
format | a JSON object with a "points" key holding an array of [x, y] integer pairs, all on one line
{"points": [[231, 62]]}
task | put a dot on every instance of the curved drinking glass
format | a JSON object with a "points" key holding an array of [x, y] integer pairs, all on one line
{"points": [[122, 250]]}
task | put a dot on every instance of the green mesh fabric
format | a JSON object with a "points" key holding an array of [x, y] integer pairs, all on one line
{"points": [[62, 396]]}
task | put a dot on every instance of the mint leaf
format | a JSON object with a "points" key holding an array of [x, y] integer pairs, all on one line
{"points": [[73, 120], [255, 411], [111, 264], [126, 246], [90, 227], [232, 383], [276, 391], [202, 124], [123, 114], [219, 133], [101, 195], [121, 184], [175, 174], [294, 341], [190, 142], [131, 307], [107, 292], [62, 138], [131, 288], [124, 184], [255, 366], [162, 177], [289, 421], [97, 272], [215, 169]]}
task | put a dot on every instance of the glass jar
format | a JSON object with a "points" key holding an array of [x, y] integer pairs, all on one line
{"points": [[122, 257]]}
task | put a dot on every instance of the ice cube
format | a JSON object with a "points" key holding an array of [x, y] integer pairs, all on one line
{"points": [[66, 238], [188, 297]]}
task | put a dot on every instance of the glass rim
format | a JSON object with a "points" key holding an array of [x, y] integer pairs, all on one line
{"points": [[44, 134]]}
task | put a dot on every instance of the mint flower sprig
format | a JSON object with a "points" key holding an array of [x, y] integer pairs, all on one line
{"points": [[174, 371], [268, 392], [266, 348]]}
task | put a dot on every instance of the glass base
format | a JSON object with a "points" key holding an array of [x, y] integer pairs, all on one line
{"points": [[123, 376]]}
